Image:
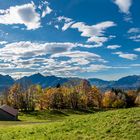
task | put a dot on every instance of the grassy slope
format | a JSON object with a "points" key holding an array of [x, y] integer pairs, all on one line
{"points": [[123, 124]]}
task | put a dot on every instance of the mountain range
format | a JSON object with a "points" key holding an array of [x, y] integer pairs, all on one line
{"points": [[129, 82], [6, 81]]}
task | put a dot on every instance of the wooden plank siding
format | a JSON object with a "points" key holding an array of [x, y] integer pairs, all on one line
{"points": [[5, 116]]}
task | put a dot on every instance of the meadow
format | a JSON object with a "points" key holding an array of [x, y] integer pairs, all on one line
{"points": [[121, 124]]}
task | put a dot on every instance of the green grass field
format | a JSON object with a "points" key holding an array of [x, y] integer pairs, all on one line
{"points": [[122, 124]]}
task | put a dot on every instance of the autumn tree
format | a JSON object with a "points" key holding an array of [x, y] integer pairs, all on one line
{"points": [[94, 97], [120, 101], [83, 102], [32, 97], [40, 98], [114, 98], [15, 96], [54, 98], [137, 100], [83, 87], [131, 97], [108, 99], [74, 99]]}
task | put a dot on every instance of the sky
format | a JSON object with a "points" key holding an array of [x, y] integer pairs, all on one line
{"points": [[70, 38]]}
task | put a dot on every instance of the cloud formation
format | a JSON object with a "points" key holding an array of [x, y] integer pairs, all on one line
{"points": [[113, 47], [67, 22], [28, 57], [77, 55], [126, 55], [94, 33], [134, 30], [3, 42], [67, 25], [124, 5], [137, 49], [47, 10], [27, 49], [134, 34], [23, 14]]}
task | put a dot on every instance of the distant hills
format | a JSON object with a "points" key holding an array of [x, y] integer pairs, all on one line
{"points": [[44, 81], [129, 82], [5, 82], [38, 79]]}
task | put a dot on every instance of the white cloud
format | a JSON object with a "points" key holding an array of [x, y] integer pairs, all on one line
{"points": [[48, 10], [79, 61], [75, 65], [89, 31], [42, 4], [76, 62], [67, 25], [124, 5], [63, 18], [101, 67], [137, 49], [56, 26], [67, 22], [77, 55], [97, 67], [134, 30], [54, 65], [98, 40], [44, 7], [126, 55], [6, 65], [94, 33], [113, 47], [15, 27], [3, 42], [134, 34], [24, 14], [135, 38], [2, 11], [27, 49]]}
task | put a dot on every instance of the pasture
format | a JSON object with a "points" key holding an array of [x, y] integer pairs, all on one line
{"points": [[121, 124]]}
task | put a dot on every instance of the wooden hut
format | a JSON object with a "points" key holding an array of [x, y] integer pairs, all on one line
{"points": [[8, 113]]}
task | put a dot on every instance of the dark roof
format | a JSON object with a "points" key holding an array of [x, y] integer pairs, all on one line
{"points": [[9, 110]]}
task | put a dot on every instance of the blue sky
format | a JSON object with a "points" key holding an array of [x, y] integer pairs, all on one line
{"points": [[82, 38]]}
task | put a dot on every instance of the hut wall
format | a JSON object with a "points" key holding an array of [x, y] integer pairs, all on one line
{"points": [[4, 116]]}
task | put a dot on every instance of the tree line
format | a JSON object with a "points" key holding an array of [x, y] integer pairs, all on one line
{"points": [[83, 96]]}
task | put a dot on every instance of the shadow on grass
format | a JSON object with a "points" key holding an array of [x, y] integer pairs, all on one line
{"points": [[55, 114]]}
